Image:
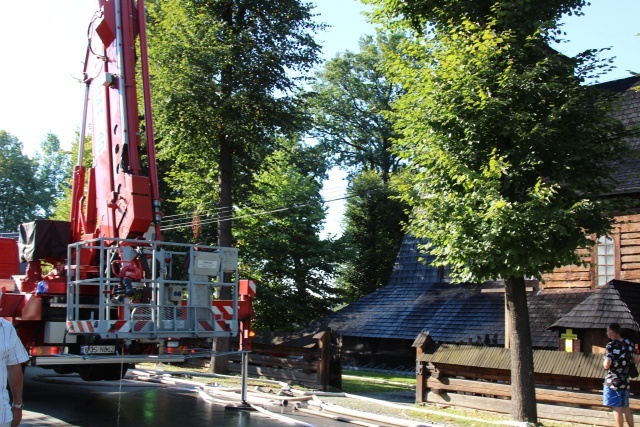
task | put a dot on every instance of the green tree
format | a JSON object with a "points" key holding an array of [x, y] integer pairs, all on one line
{"points": [[352, 94], [223, 88], [54, 169], [279, 244], [373, 233], [350, 106], [19, 188], [505, 148]]}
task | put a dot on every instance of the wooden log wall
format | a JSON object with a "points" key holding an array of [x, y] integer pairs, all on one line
{"points": [[283, 369], [566, 414], [563, 396], [570, 276], [629, 229], [626, 236]]}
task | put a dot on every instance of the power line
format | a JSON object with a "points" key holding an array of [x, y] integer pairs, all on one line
{"points": [[331, 192], [230, 218]]}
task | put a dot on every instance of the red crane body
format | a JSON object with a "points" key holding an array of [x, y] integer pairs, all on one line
{"points": [[115, 292], [128, 201]]}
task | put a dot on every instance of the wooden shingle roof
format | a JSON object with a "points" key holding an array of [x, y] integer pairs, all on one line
{"points": [[416, 300], [544, 361], [544, 309], [617, 301], [627, 171]]}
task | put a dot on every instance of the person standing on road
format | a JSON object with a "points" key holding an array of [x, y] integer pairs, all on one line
{"points": [[13, 355], [619, 355]]}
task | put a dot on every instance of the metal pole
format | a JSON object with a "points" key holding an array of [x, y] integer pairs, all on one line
{"points": [[83, 130], [245, 373]]}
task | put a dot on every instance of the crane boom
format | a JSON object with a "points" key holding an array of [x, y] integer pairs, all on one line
{"points": [[129, 198], [116, 292]]}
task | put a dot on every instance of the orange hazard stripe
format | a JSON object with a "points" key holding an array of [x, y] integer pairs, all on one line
{"points": [[206, 325], [224, 325], [139, 325], [80, 327]]}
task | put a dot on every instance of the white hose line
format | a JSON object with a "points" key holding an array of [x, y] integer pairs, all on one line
{"points": [[337, 418], [325, 393], [229, 392], [205, 375], [235, 397], [208, 398], [280, 417]]}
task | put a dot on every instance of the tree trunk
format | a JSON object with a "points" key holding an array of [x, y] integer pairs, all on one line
{"points": [[220, 364], [523, 392]]}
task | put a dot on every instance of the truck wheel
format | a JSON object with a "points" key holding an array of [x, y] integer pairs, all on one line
{"points": [[65, 369], [91, 372], [102, 372], [116, 371]]}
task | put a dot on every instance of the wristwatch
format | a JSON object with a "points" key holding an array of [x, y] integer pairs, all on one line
{"points": [[18, 406]]}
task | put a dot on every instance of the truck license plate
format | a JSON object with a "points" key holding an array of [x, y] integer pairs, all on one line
{"points": [[98, 349]]}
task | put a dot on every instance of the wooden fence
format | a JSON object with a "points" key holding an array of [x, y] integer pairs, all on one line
{"points": [[311, 360], [568, 385]]}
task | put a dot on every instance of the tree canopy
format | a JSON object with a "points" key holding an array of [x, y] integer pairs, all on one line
{"points": [[223, 89], [29, 188], [53, 174], [505, 147], [352, 97], [19, 188], [278, 239]]}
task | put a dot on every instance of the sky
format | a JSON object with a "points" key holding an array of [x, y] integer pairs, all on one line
{"points": [[43, 44]]}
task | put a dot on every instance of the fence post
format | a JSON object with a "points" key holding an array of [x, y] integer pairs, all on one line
{"points": [[335, 363], [422, 341], [322, 369]]}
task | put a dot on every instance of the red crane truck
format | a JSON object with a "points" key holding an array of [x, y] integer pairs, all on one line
{"points": [[114, 292]]}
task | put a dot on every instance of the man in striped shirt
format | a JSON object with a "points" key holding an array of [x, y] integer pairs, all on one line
{"points": [[13, 354]]}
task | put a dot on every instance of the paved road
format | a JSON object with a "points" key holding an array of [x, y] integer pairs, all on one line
{"points": [[52, 400]]}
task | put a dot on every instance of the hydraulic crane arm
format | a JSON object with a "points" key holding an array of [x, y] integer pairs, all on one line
{"points": [[122, 199]]}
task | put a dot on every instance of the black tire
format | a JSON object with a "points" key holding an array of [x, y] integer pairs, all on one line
{"points": [[102, 372], [91, 372], [65, 369], [116, 371]]}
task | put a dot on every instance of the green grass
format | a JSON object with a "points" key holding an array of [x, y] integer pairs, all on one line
{"points": [[375, 382]]}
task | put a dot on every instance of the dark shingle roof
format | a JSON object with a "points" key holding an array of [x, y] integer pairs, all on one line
{"points": [[627, 171], [415, 301], [617, 301], [546, 308], [451, 313]]}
